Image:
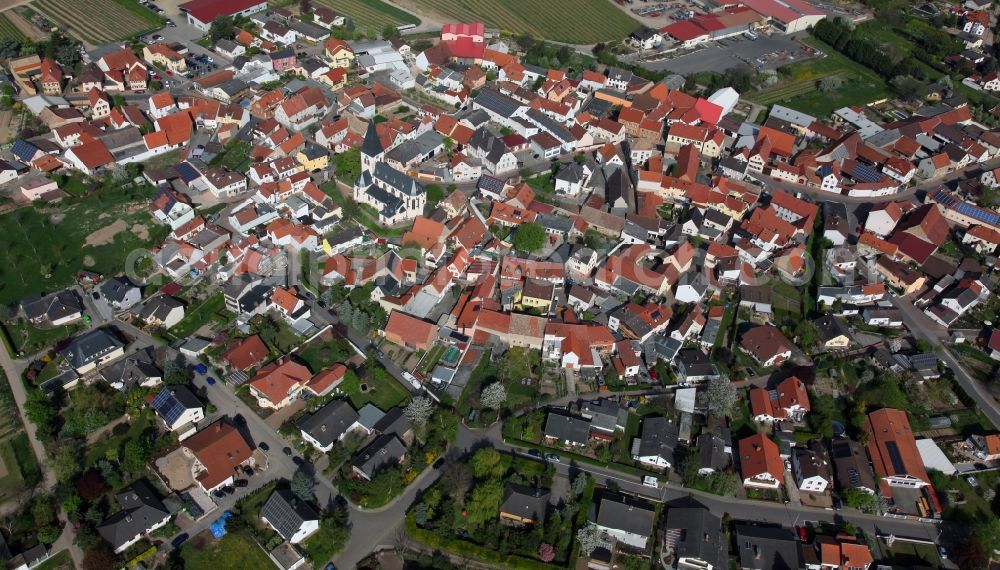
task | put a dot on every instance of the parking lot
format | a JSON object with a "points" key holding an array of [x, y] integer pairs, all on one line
{"points": [[722, 55]]}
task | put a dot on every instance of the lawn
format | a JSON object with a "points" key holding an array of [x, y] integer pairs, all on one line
{"points": [[324, 352], [9, 30], [137, 427], [910, 554], [30, 339], [382, 389], [100, 21], [45, 247], [592, 21], [59, 561], [199, 314], [859, 85], [233, 551], [372, 13], [235, 156], [11, 482]]}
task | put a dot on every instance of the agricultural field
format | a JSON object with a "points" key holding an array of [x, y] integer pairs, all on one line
{"points": [[46, 246], [372, 13], [99, 21], [593, 20], [9, 30], [799, 87]]}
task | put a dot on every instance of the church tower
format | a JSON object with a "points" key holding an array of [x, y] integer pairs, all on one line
{"points": [[371, 150]]}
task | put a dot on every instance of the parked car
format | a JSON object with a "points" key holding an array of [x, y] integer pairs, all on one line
{"points": [[210, 380], [264, 446], [218, 494], [247, 470], [241, 483], [553, 458], [650, 481], [803, 535], [179, 539], [287, 451], [229, 489]]}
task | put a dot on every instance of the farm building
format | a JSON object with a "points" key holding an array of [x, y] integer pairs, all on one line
{"points": [[200, 13]]}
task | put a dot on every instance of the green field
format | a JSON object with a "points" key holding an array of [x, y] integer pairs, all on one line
{"points": [[99, 21], [45, 247], [233, 551], [372, 13], [382, 389], [20, 470], [9, 30], [570, 21], [799, 88]]}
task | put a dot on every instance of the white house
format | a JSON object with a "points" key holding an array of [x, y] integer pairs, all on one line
{"points": [[290, 516]]}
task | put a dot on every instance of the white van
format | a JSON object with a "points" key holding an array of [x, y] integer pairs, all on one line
{"points": [[650, 481], [749, 35]]}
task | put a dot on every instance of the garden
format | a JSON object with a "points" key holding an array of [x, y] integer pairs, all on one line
{"points": [[461, 512]]}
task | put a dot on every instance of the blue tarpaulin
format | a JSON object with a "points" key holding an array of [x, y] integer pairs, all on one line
{"points": [[218, 527]]}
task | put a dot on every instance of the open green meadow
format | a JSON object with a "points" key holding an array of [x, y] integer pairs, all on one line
{"points": [[570, 21], [799, 87], [46, 246]]}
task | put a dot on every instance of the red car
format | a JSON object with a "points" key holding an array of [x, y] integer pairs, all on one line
{"points": [[803, 536]]}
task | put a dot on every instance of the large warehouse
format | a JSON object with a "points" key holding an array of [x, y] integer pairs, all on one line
{"points": [[200, 13], [785, 16]]}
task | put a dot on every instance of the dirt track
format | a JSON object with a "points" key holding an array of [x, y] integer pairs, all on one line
{"points": [[25, 26]]}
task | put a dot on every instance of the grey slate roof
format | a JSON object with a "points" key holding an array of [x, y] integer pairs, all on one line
{"points": [[525, 502], [398, 180], [140, 510], [53, 307], [116, 288], [497, 102], [696, 533], [567, 428], [286, 512], [136, 368], [372, 146], [91, 346], [385, 451], [768, 548], [627, 515], [328, 423], [659, 439], [394, 421]]}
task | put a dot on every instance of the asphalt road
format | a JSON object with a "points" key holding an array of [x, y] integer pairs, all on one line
{"points": [[924, 328], [745, 509]]}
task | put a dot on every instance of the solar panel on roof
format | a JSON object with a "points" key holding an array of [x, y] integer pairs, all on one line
{"points": [[894, 456], [187, 172], [865, 173], [168, 406]]}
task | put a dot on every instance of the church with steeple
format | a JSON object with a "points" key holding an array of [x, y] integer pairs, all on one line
{"points": [[397, 197]]}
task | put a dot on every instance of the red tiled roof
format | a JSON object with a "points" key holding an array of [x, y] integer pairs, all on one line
{"points": [[220, 448], [759, 455], [277, 379], [246, 353], [207, 10], [405, 329]]}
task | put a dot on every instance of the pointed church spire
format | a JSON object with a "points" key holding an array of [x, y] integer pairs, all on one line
{"points": [[372, 145]]}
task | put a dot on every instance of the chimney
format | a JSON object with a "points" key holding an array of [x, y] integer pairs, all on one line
{"points": [[322, 427]]}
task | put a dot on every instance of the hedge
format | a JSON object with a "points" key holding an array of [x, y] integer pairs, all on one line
{"points": [[463, 548], [622, 467]]}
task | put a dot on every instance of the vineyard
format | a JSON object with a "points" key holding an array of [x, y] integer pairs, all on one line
{"points": [[372, 13], [9, 30], [99, 21], [570, 21], [791, 89]]}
